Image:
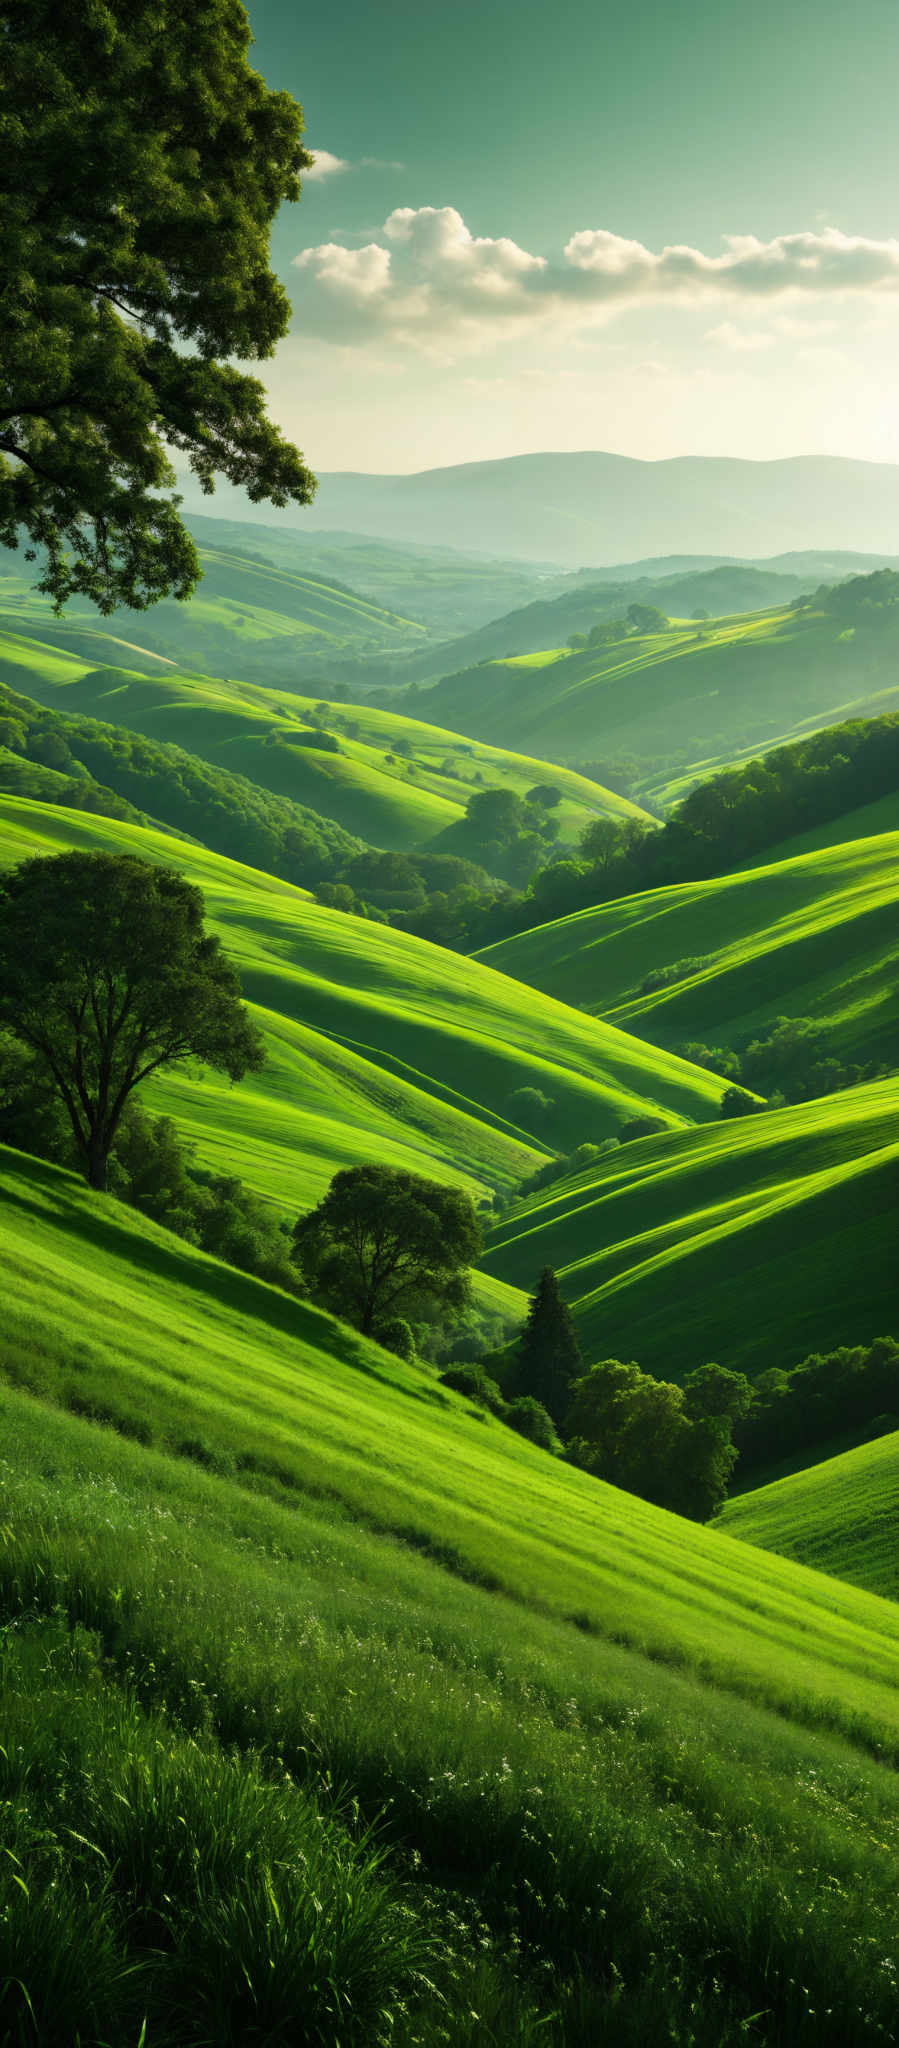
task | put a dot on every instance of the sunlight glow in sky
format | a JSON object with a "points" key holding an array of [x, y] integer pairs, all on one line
{"points": [[653, 230]]}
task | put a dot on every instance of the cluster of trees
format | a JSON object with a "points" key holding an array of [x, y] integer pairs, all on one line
{"points": [[639, 618], [721, 825], [120, 774], [671, 1445], [865, 600], [786, 1061], [677, 1445], [509, 836], [853, 1391]]}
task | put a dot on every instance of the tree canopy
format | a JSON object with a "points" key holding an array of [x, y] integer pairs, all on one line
{"points": [[142, 161], [384, 1243], [644, 1435], [106, 975]]}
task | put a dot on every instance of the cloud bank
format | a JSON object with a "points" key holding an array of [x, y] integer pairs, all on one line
{"points": [[427, 279]]}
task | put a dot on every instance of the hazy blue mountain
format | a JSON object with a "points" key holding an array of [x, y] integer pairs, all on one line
{"points": [[602, 509]]}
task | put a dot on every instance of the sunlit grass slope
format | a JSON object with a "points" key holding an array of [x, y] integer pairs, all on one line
{"points": [[841, 1516], [380, 1045], [655, 1756], [108, 1311], [677, 699], [244, 609], [813, 936], [391, 799], [752, 1241]]}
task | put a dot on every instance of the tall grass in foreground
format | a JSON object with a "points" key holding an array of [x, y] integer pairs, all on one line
{"points": [[574, 1845]]}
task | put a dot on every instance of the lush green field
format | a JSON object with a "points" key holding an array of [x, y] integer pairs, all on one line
{"points": [[679, 703], [391, 799], [812, 936], [840, 1516], [752, 1241], [628, 1770], [380, 1045]]}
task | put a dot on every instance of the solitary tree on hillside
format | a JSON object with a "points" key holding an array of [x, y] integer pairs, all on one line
{"points": [[549, 1355], [106, 975], [142, 164], [646, 618], [384, 1244]]}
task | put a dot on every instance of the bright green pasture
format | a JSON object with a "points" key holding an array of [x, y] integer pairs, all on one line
{"points": [[104, 1311], [658, 1759], [751, 1241], [812, 936], [381, 1045], [678, 701], [841, 1516], [390, 800]]}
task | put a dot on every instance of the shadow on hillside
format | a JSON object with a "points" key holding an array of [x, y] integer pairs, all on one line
{"points": [[173, 1263]]}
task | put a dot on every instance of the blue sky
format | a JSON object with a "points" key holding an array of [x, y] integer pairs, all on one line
{"points": [[483, 268]]}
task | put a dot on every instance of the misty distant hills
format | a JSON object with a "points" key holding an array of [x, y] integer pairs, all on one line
{"points": [[601, 509]]}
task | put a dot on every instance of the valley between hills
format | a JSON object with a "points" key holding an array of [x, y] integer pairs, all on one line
{"points": [[505, 1680]]}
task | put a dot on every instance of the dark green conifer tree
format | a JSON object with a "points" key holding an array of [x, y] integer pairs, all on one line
{"points": [[549, 1355]]}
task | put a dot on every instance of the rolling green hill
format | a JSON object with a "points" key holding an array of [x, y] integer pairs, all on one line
{"points": [[840, 1516], [751, 1242], [451, 592], [273, 623], [287, 1544], [547, 621], [682, 702], [380, 1045], [391, 799], [814, 936]]}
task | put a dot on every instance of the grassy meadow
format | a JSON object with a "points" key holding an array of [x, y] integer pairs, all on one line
{"points": [[610, 1757], [751, 1241], [838, 1515], [812, 936]]}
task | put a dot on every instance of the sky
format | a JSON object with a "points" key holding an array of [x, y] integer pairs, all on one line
{"points": [[634, 225]]}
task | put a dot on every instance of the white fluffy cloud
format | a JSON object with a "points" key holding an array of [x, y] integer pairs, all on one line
{"points": [[427, 276], [325, 165]]}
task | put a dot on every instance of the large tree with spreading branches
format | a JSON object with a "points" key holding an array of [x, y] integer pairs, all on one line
{"points": [[107, 975], [384, 1242], [142, 162]]}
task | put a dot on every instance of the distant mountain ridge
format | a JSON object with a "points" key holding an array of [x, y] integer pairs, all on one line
{"points": [[601, 509]]}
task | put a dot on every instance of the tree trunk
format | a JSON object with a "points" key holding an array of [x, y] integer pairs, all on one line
{"points": [[97, 1159]]}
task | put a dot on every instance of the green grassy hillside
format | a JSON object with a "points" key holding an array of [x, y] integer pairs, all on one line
{"points": [[286, 1543], [391, 799], [680, 702], [840, 1516], [813, 936], [268, 621], [449, 591], [380, 1045], [548, 621], [752, 1242]]}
